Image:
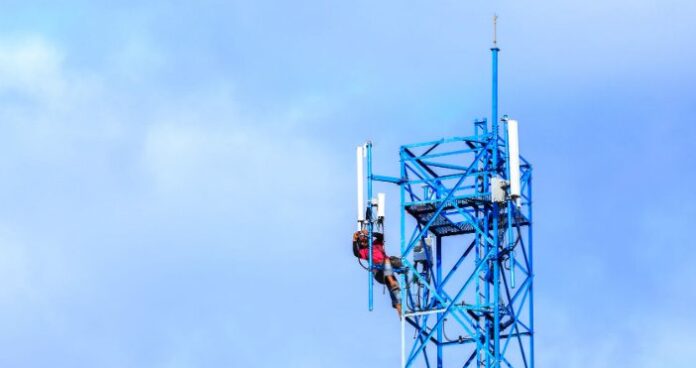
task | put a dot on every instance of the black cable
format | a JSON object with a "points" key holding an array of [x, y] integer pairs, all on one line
{"points": [[444, 334], [361, 264]]}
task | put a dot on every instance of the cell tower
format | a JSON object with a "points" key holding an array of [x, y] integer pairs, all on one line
{"points": [[466, 245]]}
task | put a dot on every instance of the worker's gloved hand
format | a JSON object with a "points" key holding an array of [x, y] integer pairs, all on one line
{"points": [[360, 235]]}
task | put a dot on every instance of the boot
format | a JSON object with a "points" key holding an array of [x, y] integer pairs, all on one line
{"points": [[395, 294]]}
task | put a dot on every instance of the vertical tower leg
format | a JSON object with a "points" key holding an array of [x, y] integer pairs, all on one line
{"points": [[531, 274], [369, 224], [496, 211], [402, 247], [438, 283], [496, 287]]}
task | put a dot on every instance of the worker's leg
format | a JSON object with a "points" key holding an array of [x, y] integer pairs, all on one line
{"points": [[379, 277], [393, 284]]}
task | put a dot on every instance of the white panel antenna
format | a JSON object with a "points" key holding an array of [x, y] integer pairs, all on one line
{"points": [[514, 160], [361, 184], [380, 205]]}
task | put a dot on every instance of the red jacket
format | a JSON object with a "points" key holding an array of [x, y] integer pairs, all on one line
{"points": [[378, 254]]}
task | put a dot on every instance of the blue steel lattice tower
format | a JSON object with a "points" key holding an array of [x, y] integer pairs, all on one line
{"points": [[466, 245]]}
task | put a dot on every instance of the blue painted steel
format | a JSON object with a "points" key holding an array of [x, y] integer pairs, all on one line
{"points": [[530, 267], [370, 225], [496, 212], [481, 312], [386, 179], [438, 281], [494, 92]]}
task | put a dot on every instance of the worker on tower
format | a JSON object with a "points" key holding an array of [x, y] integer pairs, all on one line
{"points": [[385, 273]]}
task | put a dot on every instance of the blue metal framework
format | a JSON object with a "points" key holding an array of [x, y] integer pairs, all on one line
{"points": [[468, 301]]}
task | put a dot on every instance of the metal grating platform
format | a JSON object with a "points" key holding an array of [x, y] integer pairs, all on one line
{"points": [[444, 226]]}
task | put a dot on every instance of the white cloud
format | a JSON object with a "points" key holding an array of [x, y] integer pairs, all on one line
{"points": [[31, 66], [88, 168]]}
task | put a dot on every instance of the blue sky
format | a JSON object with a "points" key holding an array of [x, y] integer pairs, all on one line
{"points": [[177, 178]]}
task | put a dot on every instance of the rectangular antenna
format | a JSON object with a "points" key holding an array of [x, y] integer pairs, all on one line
{"points": [[361, 178], [514, 160], [380, 205]]}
